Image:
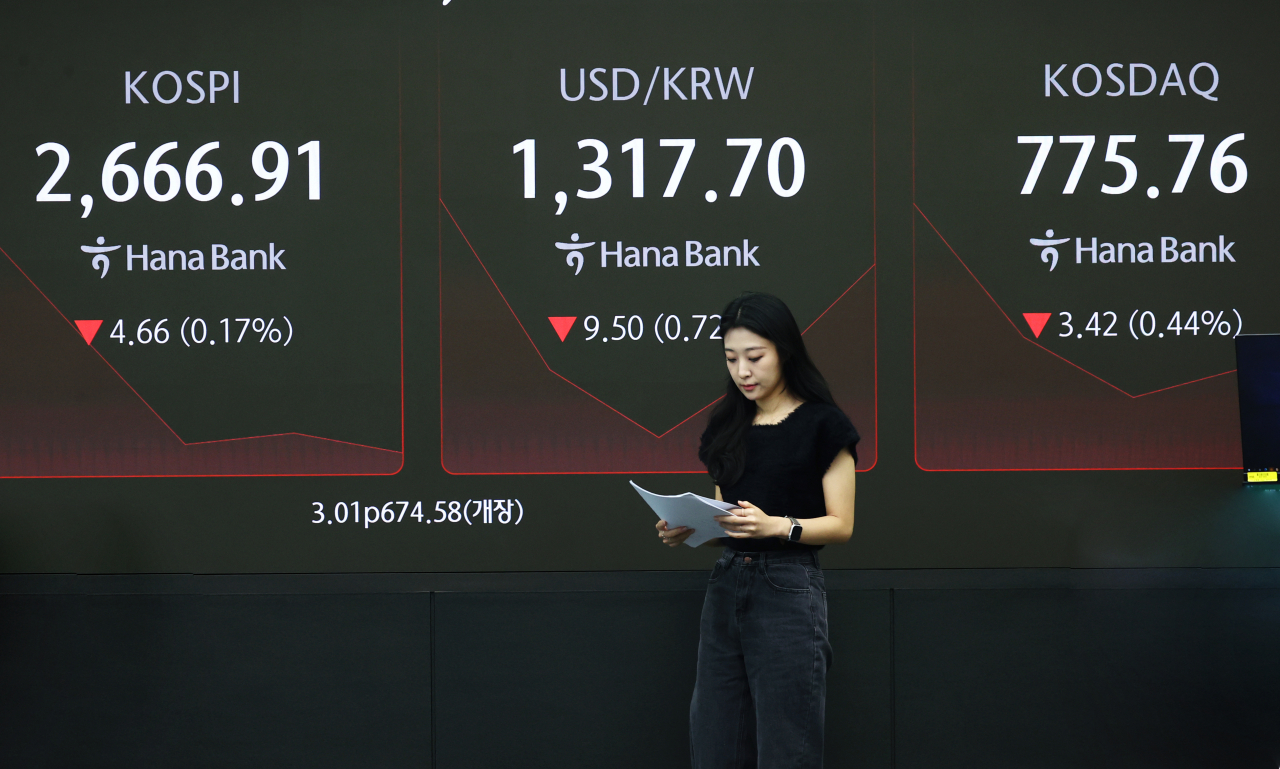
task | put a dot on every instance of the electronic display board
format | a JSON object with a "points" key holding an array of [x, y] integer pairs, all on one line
{"points": [[605, 193], [405, 286], [223, 239], [1091, 231]]}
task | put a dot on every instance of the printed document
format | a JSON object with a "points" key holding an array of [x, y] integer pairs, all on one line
{"points": [[688, 509]]}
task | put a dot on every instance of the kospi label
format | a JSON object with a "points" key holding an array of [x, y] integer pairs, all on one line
{"points": [[166, 87]]}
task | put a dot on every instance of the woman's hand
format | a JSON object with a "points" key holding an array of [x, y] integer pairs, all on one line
{"points": [[750, 522], [673, 537]]}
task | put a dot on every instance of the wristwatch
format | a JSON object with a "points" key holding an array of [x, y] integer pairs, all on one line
{"points": [[796, 530]]}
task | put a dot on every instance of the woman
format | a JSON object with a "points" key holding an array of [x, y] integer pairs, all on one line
{"points": [[778, 446]]}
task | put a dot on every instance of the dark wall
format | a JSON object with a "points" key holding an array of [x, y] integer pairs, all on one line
{"points": [[933, 668]]}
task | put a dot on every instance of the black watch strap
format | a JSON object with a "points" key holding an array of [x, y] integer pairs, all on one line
{"points": [[796, 530]]}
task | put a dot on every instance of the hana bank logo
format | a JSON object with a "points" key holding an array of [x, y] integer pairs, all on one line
{"points": [[1049, 254], [100, 260], [574, 257]]}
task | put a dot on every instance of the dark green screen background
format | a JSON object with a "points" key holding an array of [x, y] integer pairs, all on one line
{"points": [[902, 112]]}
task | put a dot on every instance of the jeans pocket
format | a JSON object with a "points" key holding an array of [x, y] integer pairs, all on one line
{"points": [[787, 577], [717, 571], [816, 577]]}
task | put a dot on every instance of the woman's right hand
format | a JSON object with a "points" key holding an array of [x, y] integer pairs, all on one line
{"points": [[673, 537]]}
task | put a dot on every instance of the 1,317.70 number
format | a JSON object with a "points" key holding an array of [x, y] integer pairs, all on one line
{"points": [[636, 148]]}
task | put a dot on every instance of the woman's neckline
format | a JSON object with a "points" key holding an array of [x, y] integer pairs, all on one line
{"points": [[782, 421]]}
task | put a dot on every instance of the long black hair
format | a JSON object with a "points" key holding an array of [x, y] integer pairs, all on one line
{"points": [[765, 315]]}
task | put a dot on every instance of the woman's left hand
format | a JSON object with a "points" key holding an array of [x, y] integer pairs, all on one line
{"points": [[750, 522]]}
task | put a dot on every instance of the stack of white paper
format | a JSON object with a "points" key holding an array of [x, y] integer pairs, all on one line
{"points": [[688, 509]]}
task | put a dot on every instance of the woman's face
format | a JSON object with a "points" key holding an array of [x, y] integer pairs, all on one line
{"points": [[753, 363]]}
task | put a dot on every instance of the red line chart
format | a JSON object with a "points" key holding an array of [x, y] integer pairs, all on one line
{"points": [[684, 433], [986, 399]]}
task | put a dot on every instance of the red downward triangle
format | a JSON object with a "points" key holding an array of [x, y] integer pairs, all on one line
{"points": [[88, 329], [1036, 321], [562, 325]]}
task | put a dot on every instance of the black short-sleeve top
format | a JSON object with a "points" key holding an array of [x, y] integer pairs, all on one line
{"points": [[784, 466]]}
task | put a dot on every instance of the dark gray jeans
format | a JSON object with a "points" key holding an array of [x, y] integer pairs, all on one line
{"points": [[763, 655]]}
